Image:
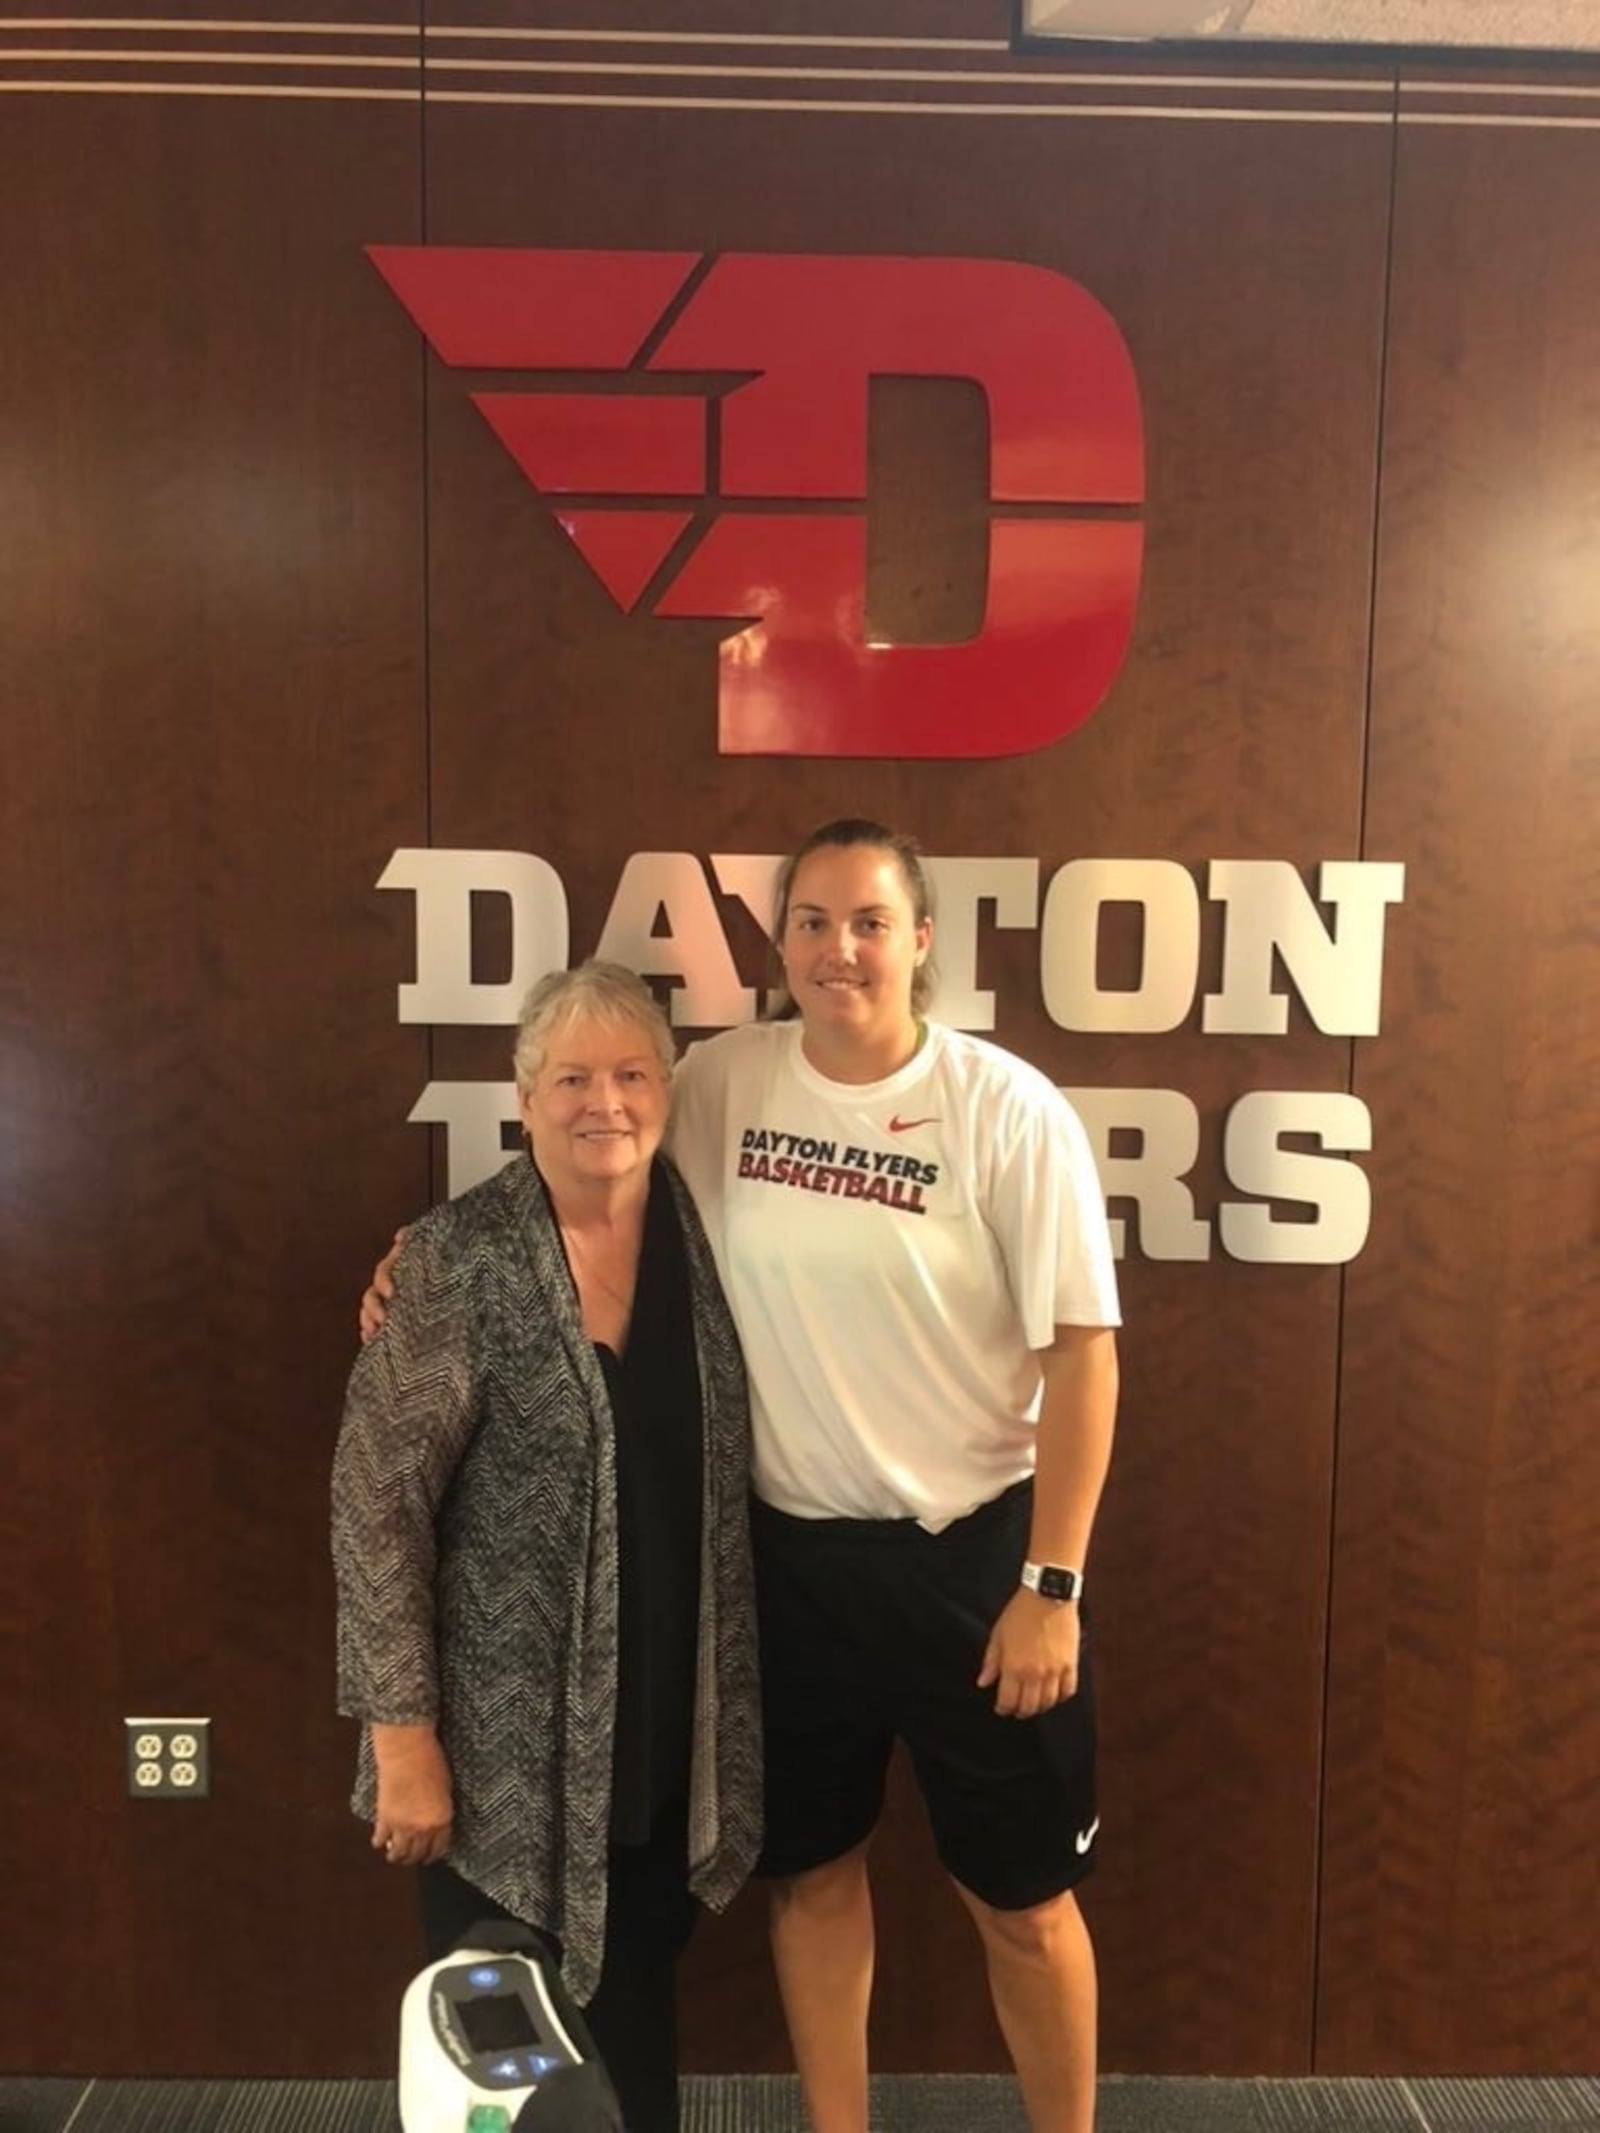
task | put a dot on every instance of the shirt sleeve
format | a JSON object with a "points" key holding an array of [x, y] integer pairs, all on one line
{"points": [[407, 1418], [694, 1125], [1048, 1212]]}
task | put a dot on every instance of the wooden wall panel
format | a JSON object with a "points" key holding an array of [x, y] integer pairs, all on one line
{"points": [[1235, 730], [210, 585], [1460, 1881], [274, 602]]}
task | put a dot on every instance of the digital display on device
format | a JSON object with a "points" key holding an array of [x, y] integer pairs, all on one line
{"points": [[497, 2022]]}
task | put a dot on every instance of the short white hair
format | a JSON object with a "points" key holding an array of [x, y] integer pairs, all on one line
{"points": [[594, 991]]}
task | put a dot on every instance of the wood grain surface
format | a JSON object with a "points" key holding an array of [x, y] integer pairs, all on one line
{"points": [[274, 602], [210, 571], [1460, 1888]]}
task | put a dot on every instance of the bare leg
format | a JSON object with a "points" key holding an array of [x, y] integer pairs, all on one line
{"points": [[822, 1948], [1041, 1972]]}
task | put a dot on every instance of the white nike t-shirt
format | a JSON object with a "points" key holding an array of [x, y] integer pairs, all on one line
{"points": [[894, 1253]]}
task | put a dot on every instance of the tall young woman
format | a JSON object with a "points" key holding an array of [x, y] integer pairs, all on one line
{"points": [[911, 1234]]}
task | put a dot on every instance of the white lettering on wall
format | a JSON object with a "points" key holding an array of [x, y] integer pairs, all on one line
{"points": [[1069, 945], [1167, 1125], [472, 1114], [1338, 974], [445, 883], [1340, 1193], [753, 878], [692, 948], [1304, 1206], [960, 886]]}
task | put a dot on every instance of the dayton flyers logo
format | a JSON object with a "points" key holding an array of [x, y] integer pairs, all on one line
{"points": [[677, 477]]}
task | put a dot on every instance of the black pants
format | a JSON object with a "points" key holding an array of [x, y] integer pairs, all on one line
{"points": [[633, 2015]]}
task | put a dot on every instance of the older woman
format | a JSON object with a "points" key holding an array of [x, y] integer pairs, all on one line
{"points": [[540, 1538]]}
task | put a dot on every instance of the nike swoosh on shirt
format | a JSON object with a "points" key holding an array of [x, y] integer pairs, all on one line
{"points": [[907, 1125], [1086, 1837]]}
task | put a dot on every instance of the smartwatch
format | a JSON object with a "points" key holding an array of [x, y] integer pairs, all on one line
{"points": [[1053, 1582]]}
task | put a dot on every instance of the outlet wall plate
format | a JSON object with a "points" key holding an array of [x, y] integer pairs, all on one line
{"points": [[168, 1758]]}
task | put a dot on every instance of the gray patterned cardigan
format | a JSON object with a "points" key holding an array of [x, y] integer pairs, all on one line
{"points": [[475, 1551]]}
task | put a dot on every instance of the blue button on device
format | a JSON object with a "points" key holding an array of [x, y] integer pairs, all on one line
{"points": [[485, 1977]]}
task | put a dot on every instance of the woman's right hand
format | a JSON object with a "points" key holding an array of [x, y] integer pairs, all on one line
{"points": [[415, 1807], [375, 1303]]}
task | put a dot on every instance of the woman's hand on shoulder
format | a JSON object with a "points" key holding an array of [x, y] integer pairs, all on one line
{"points": [[415, 1803], [380, 1293]]}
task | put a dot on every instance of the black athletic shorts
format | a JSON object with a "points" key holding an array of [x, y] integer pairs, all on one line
{"points": [[873, 1631]]}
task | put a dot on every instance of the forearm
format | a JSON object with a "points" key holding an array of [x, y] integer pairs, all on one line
{"points": [[394, 1745], [1077, 1419]]}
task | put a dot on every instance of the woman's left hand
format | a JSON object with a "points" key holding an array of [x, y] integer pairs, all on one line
{"points": [[412, 1825], [1033, 1654]]}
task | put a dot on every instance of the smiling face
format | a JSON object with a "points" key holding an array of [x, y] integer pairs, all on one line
{"points": [[596, 1108], [851, 945]]}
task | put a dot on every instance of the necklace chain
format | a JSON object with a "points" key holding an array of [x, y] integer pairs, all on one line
{"points": [[578, 1251]]}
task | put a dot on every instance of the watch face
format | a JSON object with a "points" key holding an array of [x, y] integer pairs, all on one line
{"points": [[1057, 1584]]}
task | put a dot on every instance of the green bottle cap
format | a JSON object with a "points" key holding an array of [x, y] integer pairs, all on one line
{"points": [[488, 2118]]}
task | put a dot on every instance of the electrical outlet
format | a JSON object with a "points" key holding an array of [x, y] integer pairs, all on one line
{"points": [[168, 1758]]}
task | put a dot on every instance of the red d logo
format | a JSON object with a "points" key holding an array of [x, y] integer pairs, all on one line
{"points": [[800, 677]]}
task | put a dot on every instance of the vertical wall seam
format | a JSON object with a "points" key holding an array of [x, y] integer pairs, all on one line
{"points": [[435, 1183], [1385, 317]]}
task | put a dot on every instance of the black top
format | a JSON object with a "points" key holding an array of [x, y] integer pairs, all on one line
{"points": [[655, 1400]]}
